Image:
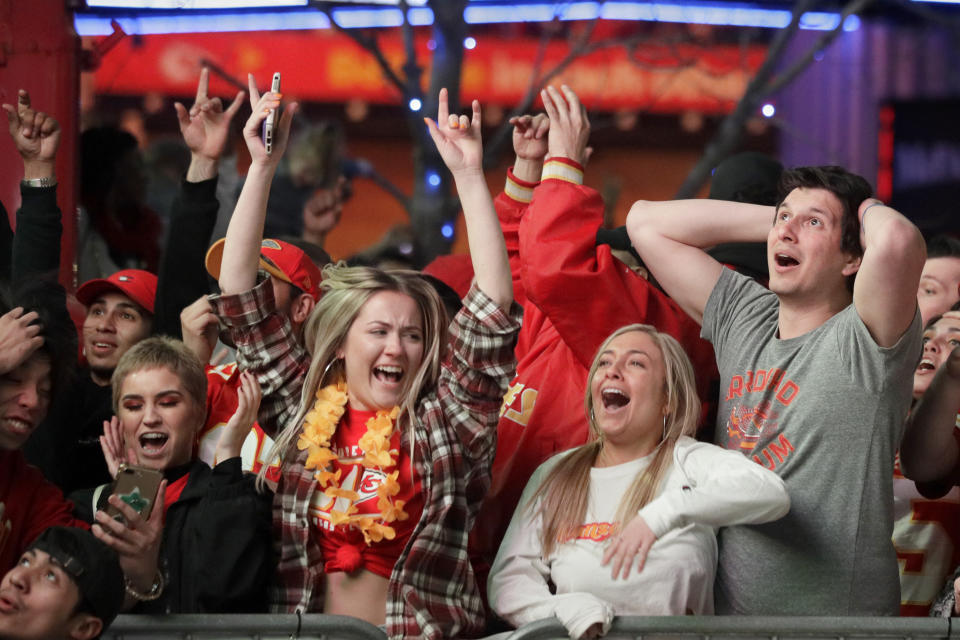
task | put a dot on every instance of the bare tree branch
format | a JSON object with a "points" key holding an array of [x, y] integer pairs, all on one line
{"points": [[411, 69], [580, 47], [731, 128], [822, 43], [372, 46]]}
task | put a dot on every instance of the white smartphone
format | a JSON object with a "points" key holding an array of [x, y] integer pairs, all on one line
{"points": [[273, 118]]}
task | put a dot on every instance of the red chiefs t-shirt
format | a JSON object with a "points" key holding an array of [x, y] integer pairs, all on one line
{"points": [[344, 548], [222, 384]]}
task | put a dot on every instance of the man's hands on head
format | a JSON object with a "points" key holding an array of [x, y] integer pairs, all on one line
{"points": [[205, 129], [569, 125], [19, 338], [36, 136]]}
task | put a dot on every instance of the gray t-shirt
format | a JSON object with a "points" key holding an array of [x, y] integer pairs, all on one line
{"points": [[825, 411]]}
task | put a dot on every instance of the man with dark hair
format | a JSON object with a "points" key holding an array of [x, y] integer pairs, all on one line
{"points": [[33, 360], [67, 585], [129, 305], [940, 281], [815, 379]]}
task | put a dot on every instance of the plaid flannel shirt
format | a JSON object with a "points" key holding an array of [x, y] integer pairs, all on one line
{"points": [[432, 592], [266, 347]]}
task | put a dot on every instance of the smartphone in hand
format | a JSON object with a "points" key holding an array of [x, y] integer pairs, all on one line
{"points": [[137, 487], [273, 118]]}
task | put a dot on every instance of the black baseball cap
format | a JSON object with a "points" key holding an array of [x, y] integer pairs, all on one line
{"points": [[93, 566]]}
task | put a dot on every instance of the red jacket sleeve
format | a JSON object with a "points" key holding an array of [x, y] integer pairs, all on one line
{"points": [[583, 289], [510, 205]]}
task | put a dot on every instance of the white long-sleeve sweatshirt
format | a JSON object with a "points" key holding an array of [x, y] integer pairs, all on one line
{"points": [[706, 487]]}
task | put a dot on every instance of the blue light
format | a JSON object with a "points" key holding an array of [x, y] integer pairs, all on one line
{"points": [[415, 104], [431, 44], [469, 43], [818, 56], [194, 4], [433, 179], [365, 18], [186, 21], [768, 110], [96, 25], [447, 231], [852, 23], [421, 17]]}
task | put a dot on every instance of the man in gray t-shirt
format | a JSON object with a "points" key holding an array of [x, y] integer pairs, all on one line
{"points": [[815, 379]]}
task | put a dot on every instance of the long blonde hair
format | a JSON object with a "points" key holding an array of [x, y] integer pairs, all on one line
{"points": [[345, 291], [564, 493]]}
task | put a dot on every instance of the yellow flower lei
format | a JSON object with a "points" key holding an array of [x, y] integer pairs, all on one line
{"points": [[319, 425]]}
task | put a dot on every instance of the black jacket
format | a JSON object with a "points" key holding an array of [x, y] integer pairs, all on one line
{"points": [[65, 445], [217, 552]]}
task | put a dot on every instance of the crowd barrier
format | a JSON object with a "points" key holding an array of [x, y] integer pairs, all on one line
{"points": [[312, 626], [324, 627], [755, 628]]}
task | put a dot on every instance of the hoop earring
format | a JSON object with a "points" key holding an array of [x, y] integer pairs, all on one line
{"points": [[664, 428], [326, 369]]}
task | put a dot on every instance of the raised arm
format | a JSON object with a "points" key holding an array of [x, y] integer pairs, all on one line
{"points": [[885, 290], [458, 141], [929, 450], [205, 128], [530, 146], [36, 136], [671, 238], [241, 252]]}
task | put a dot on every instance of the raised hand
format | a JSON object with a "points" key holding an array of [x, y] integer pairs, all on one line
{"points": [[111, 443], [261, 106], [530, 136], [240, 423], [19, 338], [206, 126], [569, 125], [200, 326], [629, 547], [35, 134], [457, 138]]}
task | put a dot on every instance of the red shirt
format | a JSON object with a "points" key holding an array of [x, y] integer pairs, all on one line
{"points": [[343, 545], [30, 505], [222, 384]]}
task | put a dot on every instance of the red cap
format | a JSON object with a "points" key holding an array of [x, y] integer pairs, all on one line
{"points": [[281, 260], [140, 286]]}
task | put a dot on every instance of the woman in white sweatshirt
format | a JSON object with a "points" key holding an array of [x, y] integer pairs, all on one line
{"points": [[626, 524]]}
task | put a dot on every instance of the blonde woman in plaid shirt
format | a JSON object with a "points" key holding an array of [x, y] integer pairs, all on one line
{"points": [[377, 340]]}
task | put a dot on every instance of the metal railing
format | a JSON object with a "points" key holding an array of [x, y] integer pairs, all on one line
{"points": [[318, 626], [312, 626], [754, 628]]}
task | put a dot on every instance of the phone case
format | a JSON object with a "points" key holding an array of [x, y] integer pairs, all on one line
{"points": [[136, 486], [272, 118]]}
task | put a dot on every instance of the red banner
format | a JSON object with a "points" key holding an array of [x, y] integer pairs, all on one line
{"points": [[329, 67]]}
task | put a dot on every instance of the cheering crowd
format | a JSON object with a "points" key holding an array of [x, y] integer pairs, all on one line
{"points": [[738, 405]]}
